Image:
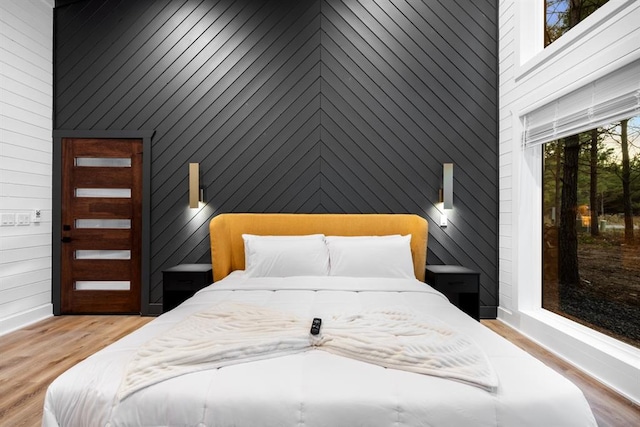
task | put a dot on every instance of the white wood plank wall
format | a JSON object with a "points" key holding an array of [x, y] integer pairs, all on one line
{"points": [[529, 78], [26, 94]]}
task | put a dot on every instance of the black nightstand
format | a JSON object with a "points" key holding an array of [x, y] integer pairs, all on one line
{"points": [[461, 285], [182, 281]]}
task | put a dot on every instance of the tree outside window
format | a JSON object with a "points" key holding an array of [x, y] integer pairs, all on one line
{"points": [[591, 212], [562, 15], [591, 232]]}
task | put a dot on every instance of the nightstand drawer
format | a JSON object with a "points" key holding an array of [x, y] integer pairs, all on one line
{"points": [[459, 284], [179, 283], [182, 281]]}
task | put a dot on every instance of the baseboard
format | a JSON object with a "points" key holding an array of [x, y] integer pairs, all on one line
{"points": [[20, 320], [509, 317], [154, 309], [612, 363], [488, 312]]}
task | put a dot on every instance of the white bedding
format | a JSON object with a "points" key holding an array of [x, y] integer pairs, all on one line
{"points": [[314, 387], [231, 333]]}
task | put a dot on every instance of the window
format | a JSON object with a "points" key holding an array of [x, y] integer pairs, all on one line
{"points": [[562, 15], [591, 229]]}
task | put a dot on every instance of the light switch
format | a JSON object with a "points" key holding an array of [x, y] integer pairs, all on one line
{"points": [[23, 218], [7, 219]]}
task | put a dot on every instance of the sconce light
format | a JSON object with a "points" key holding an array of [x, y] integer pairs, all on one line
{"points": [[196, 193], [446, 196], [446, 192]]}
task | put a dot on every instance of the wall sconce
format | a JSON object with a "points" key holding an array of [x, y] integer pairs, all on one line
{"points": [[446, 192], [196, 193], [446, 196]]}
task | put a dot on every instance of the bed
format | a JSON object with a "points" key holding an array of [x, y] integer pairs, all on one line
{"points": [[224, 358]]}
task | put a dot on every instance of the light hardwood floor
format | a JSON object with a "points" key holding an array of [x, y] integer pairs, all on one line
{"points": [[31, 358], [609, 408]]}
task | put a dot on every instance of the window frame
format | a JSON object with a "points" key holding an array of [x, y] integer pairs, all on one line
{"points": [[531, 54], [539, 80]]}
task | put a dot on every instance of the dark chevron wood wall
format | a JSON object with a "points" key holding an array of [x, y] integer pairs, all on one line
{"points": [[295, 106]]}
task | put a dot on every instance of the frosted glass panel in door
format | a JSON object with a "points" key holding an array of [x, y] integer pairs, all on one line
{"points": [[103, 162], [103, 254], [103, 223], [123, 193], [94, 285]]}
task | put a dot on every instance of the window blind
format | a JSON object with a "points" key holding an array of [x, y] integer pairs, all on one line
{"points": [[608, 99]]}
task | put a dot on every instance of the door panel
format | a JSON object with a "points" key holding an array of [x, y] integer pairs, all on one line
{"points": [[87, 177], [102, 208], [101, 221]]}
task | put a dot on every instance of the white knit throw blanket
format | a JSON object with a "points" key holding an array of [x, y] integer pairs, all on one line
{"points": [[232, 333]]}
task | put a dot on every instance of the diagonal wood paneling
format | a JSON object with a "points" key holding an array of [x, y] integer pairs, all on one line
{"points": [[295, 106], [407, 99]]}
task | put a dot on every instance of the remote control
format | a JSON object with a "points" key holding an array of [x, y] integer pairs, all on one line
{"points": [[315, 326]]}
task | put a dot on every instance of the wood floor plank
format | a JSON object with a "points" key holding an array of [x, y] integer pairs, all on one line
{"points": [[609, 408], [31, 358]]}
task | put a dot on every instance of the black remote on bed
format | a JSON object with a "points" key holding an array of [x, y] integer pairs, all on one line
{"points": [[315, 326]]}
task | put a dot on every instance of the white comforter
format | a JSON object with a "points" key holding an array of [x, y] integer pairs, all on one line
{"points": [[231, 333], [316, 388]]}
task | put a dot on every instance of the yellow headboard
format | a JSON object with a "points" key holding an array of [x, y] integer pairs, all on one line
{"points": [[227, 246]]}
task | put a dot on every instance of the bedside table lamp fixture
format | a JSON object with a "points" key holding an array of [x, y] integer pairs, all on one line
{"points": [[196, 193], [446, 192]]}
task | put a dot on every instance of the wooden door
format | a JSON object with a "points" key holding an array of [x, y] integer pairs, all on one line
{"points": [[101, 225]]}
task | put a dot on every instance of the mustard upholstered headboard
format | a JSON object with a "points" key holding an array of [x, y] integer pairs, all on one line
{"points": [[227, 246]]}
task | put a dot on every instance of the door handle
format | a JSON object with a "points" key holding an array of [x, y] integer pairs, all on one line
{"points": [[66, 239]]}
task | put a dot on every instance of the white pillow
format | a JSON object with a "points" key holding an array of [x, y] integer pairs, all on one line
{"points": [[371, 256], [284, 256]]}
